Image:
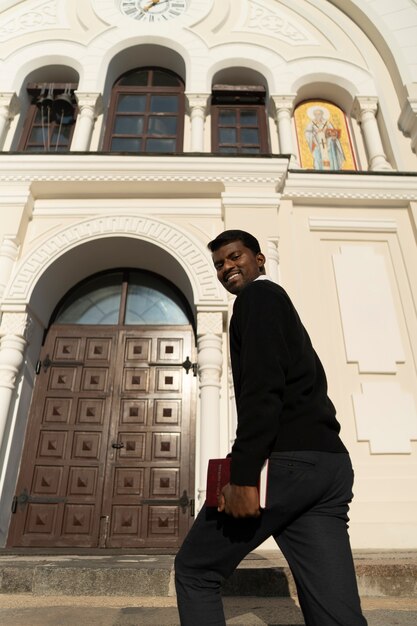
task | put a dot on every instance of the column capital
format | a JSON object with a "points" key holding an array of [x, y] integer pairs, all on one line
{"points": [[16, 324], [364, 104], [10, 101], [284, 102], [408, 120], [209, 322], [197, 101], [89, 100]]}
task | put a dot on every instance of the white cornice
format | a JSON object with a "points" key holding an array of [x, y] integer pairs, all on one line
{"points": [[125, 169], [361, 189]]}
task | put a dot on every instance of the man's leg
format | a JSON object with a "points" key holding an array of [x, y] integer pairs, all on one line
{"points": [[317, 548], [210, 553]]}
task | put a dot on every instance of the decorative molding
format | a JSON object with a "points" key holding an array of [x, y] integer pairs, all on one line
{"points": [[408, 121], [386, 416], [277, 24], [368, 313], [39, 17], [335, 224], [189, 253]]}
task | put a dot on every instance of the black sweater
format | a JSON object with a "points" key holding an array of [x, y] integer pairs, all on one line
{"points": [[280, 384]]}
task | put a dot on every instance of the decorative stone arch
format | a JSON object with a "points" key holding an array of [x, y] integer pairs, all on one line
{"points": [[189, 253], [19, 311]]}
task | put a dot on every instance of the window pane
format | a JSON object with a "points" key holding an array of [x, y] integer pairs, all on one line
{"points": [[165, 125], [161, 145], [227, 135], [129, 125], [126, 145], [152, 301], [249, 135], [137, 79], [228, 149], [227, 117], [163, 79], [248, 118], [164, 104], [38, 135], [130, 103], [249, 150], [62, 135], [97, 302]]}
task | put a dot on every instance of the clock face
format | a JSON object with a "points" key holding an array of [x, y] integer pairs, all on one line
{"points": [[153, 10]]}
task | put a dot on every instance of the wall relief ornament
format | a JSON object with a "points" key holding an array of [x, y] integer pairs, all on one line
{"points": [[40, 16], [277, 23]]}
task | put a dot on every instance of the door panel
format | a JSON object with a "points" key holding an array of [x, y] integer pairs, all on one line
{"points": [[108, 449]]}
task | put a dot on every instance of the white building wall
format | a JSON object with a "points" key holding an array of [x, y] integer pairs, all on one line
{"points": [[335, 232]]}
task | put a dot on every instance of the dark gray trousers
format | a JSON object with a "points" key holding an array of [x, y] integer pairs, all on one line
{"points": [[307, 513]]}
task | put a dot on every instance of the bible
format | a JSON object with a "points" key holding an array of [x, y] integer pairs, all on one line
{"points": [[218, 475]]}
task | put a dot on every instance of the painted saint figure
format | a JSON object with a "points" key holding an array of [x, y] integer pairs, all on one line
{"points": [[324, 140]]}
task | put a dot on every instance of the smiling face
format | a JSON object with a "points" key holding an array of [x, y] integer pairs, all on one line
{"points": [[236, 266]]}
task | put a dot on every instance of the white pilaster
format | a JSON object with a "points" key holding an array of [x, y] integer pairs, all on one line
{"points": [[9, 249], [90, 105], [365, 109], [14, 330], [197, 106], [283, 111], [9, 107], [210, 359]]}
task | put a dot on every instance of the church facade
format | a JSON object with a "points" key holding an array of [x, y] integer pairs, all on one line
{"points": [[132, 132]]}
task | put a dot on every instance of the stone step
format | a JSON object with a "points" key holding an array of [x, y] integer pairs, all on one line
{"points": [[262, 573]]}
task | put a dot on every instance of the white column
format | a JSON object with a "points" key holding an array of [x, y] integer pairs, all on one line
{"points": [[9, 106], [272, 267], [210, 359], [283, 115], [8, 254], [90, 105], [365, 109], [197, 106], [14, 329]]}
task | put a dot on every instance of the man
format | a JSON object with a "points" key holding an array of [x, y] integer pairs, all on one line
{"points": [[284, 415]]}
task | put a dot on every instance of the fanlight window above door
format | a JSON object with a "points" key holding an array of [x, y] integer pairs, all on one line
{"points": [[124, 298]]}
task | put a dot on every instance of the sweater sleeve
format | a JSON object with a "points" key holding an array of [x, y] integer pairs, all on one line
{"points": [[262, 329]]}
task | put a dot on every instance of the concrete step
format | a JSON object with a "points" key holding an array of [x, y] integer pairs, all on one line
{"points": [[262, 574]]}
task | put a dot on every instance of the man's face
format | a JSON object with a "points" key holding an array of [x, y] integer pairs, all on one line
{"points": [[236, 266]]}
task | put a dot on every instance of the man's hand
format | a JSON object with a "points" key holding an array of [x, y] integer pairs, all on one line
{"points": [[239, 501]]}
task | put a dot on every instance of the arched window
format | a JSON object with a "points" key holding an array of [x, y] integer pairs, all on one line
{"points": [[146, 113], [239, 120], [50, 119], [323, 136], [124, 297]]}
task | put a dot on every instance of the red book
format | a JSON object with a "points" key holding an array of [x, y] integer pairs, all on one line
{"points": [[218, 475]]}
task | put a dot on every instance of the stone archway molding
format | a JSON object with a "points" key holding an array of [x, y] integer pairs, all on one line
{"points": [[187, 251]]}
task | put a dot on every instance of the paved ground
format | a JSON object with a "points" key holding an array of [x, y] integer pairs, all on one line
{"points": [[28, 610]]}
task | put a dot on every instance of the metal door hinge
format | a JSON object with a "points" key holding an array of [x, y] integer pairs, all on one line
{"points": [[184, 502], [25, 498], [187, 365]]}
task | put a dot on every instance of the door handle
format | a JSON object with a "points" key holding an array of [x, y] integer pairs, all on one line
{"points": [[118, 445]]}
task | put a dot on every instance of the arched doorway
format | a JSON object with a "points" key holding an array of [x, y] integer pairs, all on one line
{"points": [[108, 459]]}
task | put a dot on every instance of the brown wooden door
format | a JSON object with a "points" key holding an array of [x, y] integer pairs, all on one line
{"points": [[108, 455]]}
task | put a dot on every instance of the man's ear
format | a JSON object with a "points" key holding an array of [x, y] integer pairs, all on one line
{"points": [[260, 258]]}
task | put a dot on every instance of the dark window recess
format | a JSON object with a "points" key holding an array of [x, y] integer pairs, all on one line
{"points": [[50, 119], [239, 123], [146, 113]]}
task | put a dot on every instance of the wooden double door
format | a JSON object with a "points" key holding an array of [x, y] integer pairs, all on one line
{"points": [[108, 457]]}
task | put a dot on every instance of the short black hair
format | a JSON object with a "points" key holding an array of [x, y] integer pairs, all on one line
{"points": [[228, 236]]}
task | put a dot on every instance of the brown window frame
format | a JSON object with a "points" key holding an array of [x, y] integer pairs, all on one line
{"points": [[239, 98], [149, 90], [35, 90]]}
